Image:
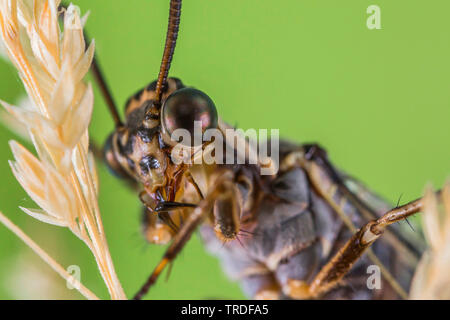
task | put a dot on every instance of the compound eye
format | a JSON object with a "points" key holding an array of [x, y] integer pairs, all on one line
{"points": [[191, 110]]}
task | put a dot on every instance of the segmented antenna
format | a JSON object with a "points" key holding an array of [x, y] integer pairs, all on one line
{"points": [[171, 41]]}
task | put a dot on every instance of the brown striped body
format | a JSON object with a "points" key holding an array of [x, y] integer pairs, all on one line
{"points": [[138, 153], [268, 231], [294, 232]]}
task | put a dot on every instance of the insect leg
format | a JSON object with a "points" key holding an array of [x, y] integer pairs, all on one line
{"points": [[328, 184], [181, 238], [190, 224], [317, 157], [333, 272]]}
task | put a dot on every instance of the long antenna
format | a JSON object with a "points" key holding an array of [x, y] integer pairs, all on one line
{"points": [[171, 41]]}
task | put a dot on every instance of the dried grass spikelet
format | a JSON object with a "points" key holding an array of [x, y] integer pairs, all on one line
{"points": [[12, 123], [62, 180], [431, 279]]}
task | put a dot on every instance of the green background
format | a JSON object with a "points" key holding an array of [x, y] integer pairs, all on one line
{"points": [[377, 100]]}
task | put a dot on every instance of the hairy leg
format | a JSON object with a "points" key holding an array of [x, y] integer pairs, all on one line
{"points": [[333, 272], [193, 220]]}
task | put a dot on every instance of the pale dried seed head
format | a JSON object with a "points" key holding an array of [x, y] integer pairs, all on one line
{"points": [[431, 279], [52, 63], [12, 123]]}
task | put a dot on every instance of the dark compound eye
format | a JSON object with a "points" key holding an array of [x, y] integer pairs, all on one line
{"points": [[186, 106]]}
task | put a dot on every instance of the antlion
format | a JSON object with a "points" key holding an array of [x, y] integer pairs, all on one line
{"points": [[285, 223]]}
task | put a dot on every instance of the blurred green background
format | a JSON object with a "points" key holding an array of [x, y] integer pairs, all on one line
{"points": [[377, 100]]}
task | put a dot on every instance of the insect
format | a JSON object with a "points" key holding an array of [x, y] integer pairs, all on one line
{"points": [[299, 233]]}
